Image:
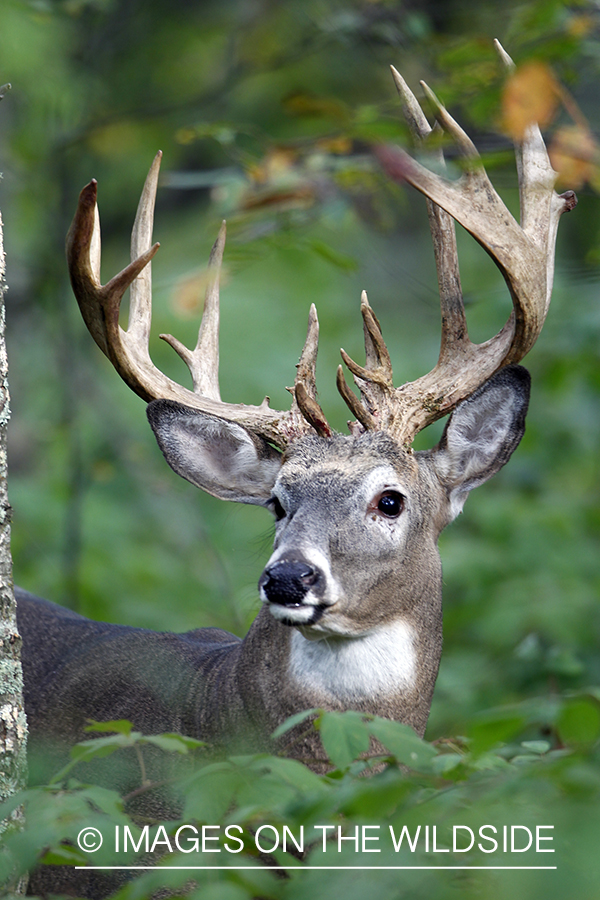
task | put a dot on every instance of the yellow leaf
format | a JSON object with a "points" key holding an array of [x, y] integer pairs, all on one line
{"points": [[574, 155], [299, 197], [275, 165], [337, 145], [313, 106], [187, 298], [530, 95], [581, 25]]}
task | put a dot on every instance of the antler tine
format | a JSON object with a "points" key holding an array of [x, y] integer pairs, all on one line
{"points": [[413, 114], [534, 169], [305, 385], [523, 253], [129, 351], [203, 361], [378, 367], [451, 127], [443, 232], [140, 293], [379, 407], [540, 206], [99, 303], [374, 379]]}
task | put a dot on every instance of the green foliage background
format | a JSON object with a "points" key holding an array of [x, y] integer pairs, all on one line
{"points": [[265, 112]]}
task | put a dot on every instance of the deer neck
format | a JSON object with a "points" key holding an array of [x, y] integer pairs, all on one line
{"points": [[388, 671]]}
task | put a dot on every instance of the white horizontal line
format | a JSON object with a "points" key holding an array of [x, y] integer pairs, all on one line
{"points": [[345, 868]]}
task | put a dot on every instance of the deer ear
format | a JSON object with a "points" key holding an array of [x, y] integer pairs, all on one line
{"points": [[220, 457], [482, 434]]}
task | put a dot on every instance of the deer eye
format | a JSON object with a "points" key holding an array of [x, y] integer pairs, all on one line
{"points": [[390, 504], [277, 509]]}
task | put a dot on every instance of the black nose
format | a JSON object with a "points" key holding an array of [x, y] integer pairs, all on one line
{"points": [[287, 581]]}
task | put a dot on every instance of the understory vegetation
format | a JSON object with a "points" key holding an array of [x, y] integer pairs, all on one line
{"points": [[497, 811]]}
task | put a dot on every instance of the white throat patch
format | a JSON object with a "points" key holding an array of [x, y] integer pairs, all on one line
{"points": [[380, 663]]}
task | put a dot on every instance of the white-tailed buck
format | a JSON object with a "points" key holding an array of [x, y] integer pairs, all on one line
{"points": [[351, 614]]}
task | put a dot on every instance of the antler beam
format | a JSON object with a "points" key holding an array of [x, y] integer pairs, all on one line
{"points": [[524, 254]]}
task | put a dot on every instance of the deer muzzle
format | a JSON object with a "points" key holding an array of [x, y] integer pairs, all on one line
{"points": [[288, 582]]}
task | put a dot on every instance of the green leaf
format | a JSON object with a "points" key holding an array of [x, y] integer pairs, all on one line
{"points": [[212, 792], [403, 743], [345, 736], [294, 720], [95, 749], [64, 855], [290, 772], [106, 800], [115, 726], [340, 260], [446, 762], [579, 721], [495, 727], [100, 747], [172, 743], [488, 762], [525, 759], [539, 747]]}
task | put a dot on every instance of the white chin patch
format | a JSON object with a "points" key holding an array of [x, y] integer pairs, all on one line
{"points": [[298, 615]]}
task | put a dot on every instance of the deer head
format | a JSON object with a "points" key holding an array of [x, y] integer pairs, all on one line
{"points": [[357, 516]]}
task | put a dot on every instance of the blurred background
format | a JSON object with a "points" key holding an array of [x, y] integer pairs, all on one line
{"points": [[267, 113]]}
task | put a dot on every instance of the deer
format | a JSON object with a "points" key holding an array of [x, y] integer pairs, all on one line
{"points": [[351, 611]]}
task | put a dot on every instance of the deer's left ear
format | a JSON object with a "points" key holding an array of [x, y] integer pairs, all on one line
{"points": [[482, 434]]}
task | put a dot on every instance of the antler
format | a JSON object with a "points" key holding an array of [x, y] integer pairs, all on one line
{"points": [[524, 254], [128, 350]]}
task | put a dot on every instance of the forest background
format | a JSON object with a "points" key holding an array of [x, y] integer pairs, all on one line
{"points": [[267, 113]]}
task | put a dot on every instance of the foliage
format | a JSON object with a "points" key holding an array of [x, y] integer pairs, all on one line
{"points": [[265, 815], [266, 113]]}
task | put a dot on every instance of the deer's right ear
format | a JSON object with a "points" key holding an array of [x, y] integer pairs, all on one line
{"points": [[220, 457], [482, 434]]}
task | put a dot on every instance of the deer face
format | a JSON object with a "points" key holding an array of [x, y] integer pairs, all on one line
{"points": [[357, 517], [352, 534]]}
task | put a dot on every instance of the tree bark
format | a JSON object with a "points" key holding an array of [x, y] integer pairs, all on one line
{"points": [[13, 725]]}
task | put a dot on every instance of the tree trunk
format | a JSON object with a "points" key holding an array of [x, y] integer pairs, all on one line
{"points": [[13, 726]]}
